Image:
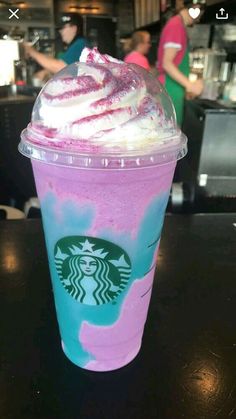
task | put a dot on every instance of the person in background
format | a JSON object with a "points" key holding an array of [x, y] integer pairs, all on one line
{"points": [[173, 58], [70, 28], [140, 46]]}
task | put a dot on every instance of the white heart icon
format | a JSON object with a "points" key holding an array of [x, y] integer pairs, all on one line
{"points": [[194, 12]]}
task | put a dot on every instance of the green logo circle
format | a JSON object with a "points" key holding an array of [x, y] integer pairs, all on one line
{"points": [[93, 271]]}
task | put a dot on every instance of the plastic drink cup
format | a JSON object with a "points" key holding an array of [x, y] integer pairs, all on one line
{"points": [[102, 211]]}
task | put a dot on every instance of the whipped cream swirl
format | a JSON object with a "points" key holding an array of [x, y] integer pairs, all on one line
{"points": [[105, 105]]}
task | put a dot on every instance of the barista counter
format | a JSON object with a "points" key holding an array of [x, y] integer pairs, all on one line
{"points": [[18, 93], [16, 99], [196, 121], [16, 178], [210, 164]]}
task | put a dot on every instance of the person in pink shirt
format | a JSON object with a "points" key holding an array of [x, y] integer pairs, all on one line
{"points": [[173, 57], [140, 46]]}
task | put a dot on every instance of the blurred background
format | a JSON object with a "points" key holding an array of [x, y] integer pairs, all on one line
{"points": [[205, 180]]}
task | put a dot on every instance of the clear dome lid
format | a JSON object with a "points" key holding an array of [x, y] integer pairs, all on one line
{"points": [[103, 111]]}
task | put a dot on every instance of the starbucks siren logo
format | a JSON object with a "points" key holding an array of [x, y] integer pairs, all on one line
{"points": [[93, 271]]}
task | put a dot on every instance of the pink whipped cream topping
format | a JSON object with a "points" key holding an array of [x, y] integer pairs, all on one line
{"points": [[98, 104]]}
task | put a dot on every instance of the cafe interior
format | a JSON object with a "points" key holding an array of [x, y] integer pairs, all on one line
{"points": [[186, 367], [205, 180]]}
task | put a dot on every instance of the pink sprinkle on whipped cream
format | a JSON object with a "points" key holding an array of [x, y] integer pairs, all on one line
{"points": [[101, 102]]}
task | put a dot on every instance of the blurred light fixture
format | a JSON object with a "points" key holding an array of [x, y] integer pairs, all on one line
{"points": [[72, 8], [13, 3], [21, 4], [84, 8]]}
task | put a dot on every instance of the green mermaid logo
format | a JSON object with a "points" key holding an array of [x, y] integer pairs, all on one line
{"points": [[93, 271]]}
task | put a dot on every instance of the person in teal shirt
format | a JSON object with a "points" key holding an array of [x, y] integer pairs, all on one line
{"points": [[70, 28]]}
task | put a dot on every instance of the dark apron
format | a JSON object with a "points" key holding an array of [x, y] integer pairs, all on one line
{"points": [[176, 91]]}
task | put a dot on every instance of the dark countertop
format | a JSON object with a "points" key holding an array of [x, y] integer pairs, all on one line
{"points": [[214, 104], [16, 99], [187, 365], [18, 94]]}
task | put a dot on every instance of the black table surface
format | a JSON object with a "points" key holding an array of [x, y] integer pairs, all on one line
{"points": [[187, 365]]}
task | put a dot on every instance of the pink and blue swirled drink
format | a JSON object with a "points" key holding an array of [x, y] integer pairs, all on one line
{"points": [[103, 143]]}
